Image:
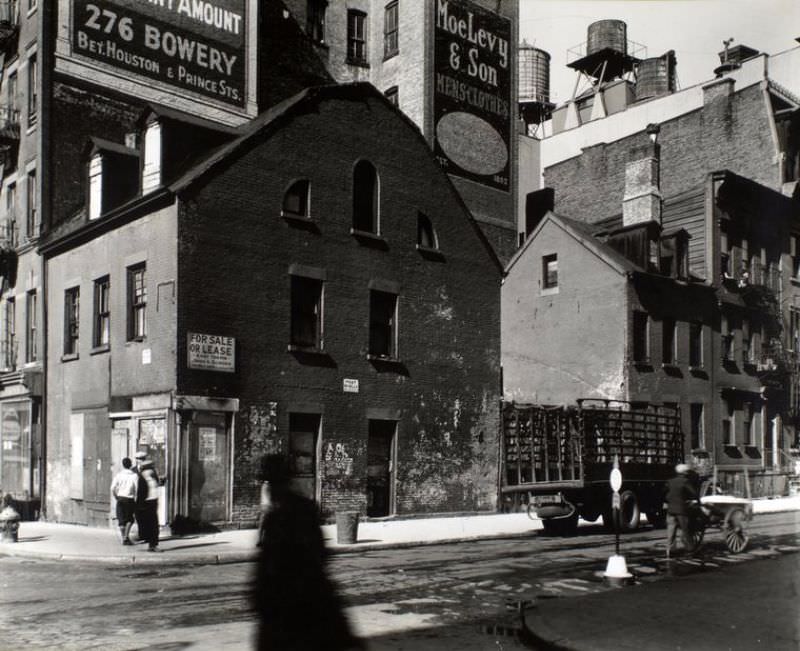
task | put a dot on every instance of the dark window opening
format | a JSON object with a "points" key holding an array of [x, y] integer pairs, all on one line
{"points": [[306, 317], [137, 303], [365, 197], [383, 324], [426, 236], [31, 316], [550, 271], [356, 37], [390, 30], [641, 337], [668, 341], [296, 199], [696, 344], [71, 320], [696, 415], [102, 313], [393, 95], [315, 20]]}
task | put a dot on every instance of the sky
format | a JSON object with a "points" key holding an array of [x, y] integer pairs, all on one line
{"points": [[695, 29]]}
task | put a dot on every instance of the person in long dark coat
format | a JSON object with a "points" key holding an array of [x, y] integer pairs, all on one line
{"points": [[296, 602]]}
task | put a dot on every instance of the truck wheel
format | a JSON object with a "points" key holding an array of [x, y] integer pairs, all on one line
{"points": [[628, 511]]}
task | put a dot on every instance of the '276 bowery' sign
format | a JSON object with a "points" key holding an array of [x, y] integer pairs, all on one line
{"points": [[194, 45], [472, 104]]}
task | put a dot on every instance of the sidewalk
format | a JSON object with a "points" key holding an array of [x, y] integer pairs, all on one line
{"points": [[52, 541], [739, 607]]}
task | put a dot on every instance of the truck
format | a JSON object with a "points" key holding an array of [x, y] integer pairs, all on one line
{"points": [[556, 461]]}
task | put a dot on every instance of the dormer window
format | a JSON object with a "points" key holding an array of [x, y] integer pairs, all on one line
{"points": [[151, 169], [95, 186], [296, 200], [112, 176]]}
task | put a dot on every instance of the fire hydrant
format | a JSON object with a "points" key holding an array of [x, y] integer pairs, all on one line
{"points": [[9, 521]]}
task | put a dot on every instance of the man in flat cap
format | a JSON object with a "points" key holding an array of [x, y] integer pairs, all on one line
{"points": [[680, 493]]}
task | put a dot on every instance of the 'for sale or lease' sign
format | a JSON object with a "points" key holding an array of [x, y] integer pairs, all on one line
{"points": [[211, 352]]}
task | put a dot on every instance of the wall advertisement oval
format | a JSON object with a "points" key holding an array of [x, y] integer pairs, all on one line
{"points": [[472, 93]]}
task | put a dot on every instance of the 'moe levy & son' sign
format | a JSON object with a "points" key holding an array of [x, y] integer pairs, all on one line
{"points": [[211, 352], [193, 45], [472, 106]]}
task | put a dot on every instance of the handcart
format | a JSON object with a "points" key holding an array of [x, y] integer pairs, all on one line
{"points": [[728, 512]]}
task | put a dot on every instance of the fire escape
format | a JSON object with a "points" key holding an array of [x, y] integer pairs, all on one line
{"points": [[9, 147]]}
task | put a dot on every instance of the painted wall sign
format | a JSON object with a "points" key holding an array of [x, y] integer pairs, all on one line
{"points": [[472, 103], [349, 385], [211, 352], [195, 45]]}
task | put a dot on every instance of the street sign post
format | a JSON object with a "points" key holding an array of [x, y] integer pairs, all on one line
{"points": [[615, 479], [616, 569]]}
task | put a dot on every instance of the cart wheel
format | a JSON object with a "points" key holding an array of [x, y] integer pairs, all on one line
{"points": [[696, 536], [736, 537]]}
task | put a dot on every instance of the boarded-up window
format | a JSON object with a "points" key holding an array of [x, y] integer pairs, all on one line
{"points": [[76, 456]]}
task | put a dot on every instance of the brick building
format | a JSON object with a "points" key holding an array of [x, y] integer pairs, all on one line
{"points": [[404, 49], [22, 118], [687, 301], [314, 287]]}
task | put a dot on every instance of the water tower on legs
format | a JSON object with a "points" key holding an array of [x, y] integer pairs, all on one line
{"points": [[535, 107]]}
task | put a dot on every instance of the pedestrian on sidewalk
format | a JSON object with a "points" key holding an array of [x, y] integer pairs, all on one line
{"points": [[680, 494], [123, 488], [296, 602], [265, 501], [147, 505]]}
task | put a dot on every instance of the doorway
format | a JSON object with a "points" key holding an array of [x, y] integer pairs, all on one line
{"points": [[380, 467], [209, 464], [303, 440]]}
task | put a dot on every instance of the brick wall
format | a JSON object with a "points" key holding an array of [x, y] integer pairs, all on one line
{"points": [[729, 132], [235, 251], [76, 116]]}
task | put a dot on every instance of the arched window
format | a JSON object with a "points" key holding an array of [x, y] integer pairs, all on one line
{"points": [[296, 199], [426, 236], [365, 197]]}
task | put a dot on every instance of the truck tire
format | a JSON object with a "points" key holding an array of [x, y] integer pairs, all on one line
{"points": [[629, 512]]}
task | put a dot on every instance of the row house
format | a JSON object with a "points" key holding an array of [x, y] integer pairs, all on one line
{"points": [[679, 301], [313, 286]]}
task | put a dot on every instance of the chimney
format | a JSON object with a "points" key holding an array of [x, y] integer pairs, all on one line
{"points": [[641, 202]]}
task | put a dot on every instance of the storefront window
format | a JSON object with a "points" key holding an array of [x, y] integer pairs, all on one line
{"points": [[15, 455]]}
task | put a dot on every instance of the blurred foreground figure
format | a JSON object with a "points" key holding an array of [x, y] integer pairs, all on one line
{"points": [[296, 603]]}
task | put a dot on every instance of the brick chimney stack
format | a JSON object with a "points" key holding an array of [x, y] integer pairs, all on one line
{"points": [[641, 202]]}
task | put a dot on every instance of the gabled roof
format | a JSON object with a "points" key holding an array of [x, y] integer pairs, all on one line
{"points": [[184, 118], [585, 235], [102, 145]]}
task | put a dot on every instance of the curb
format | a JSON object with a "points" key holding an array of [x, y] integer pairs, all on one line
{"points": [[8, 549], [545, 639]]}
